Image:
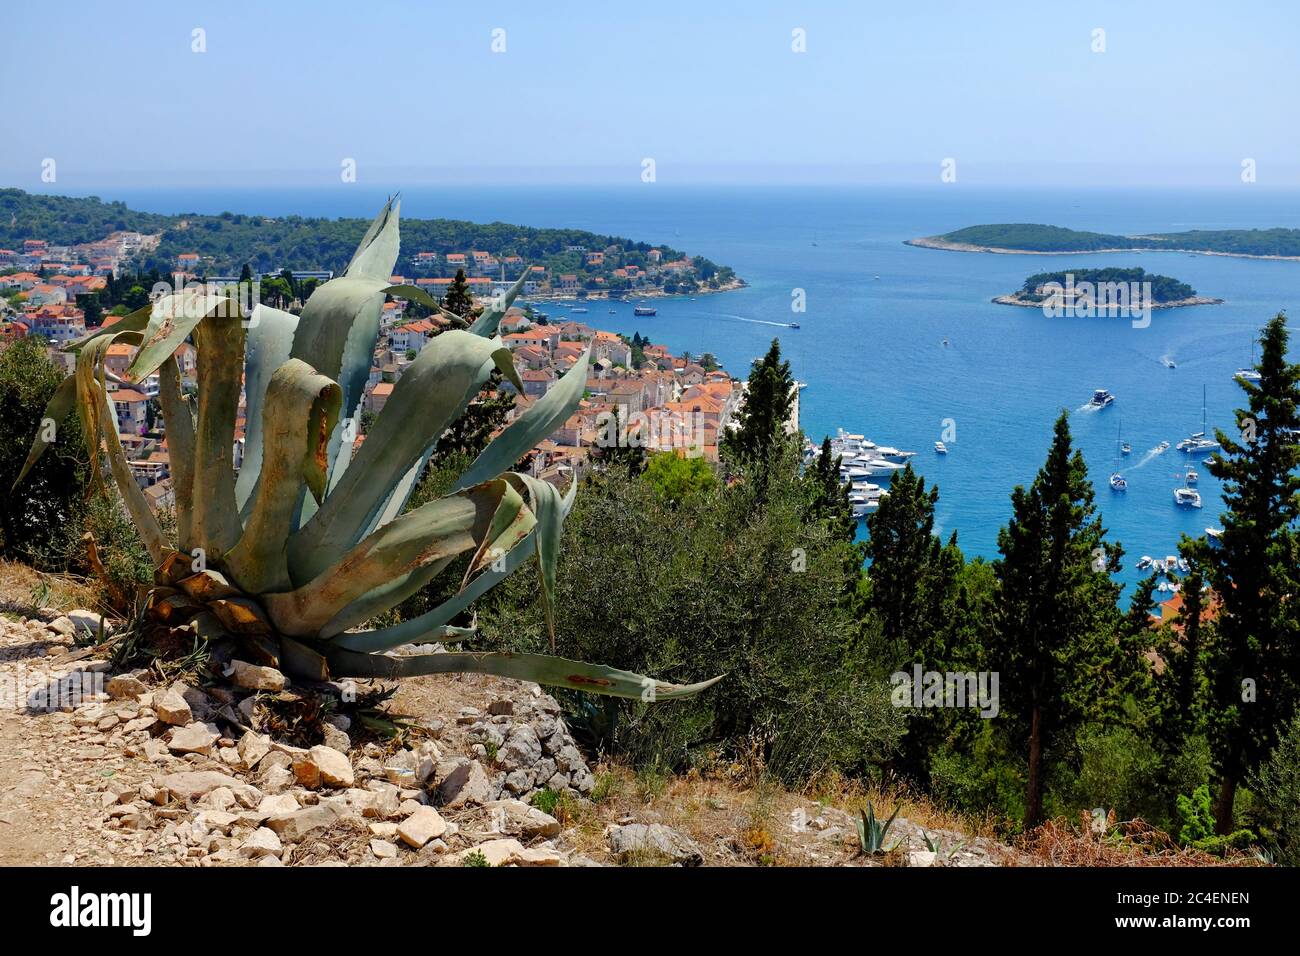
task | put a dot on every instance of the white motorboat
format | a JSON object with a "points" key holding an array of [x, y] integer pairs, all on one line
{"points": [[1247, 375], [1187, 497], [885, 451], [1144, 562], [1101, 398], [1192, 477], [941, 448]]}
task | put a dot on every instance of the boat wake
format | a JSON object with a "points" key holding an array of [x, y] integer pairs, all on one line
{"points": [[1151, 455], [1088, 408], [741, 318]]}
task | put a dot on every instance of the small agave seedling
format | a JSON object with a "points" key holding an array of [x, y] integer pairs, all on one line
{"points": [[871, 834], [311, 538]]}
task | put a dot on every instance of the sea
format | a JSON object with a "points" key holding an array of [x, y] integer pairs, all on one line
{"points": [[904, 344]]}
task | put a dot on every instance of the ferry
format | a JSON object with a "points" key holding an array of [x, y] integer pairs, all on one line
{"points": [[645, 310], [1101, 398]]}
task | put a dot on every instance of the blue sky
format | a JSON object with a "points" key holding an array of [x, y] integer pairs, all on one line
{"points": [[711, 91]]}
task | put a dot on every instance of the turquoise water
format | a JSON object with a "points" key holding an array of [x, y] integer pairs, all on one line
{"points": [[871, 349]]}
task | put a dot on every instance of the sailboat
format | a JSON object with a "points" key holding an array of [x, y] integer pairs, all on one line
{"points": [[1248, 373], [1117, 481], [1197, 443]]}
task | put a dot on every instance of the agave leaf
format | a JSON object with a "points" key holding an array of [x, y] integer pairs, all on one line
{"points": [[409, 631], [401, 493], [439, 529], [179, 419], [215, 524], [511, 523], [415, 294], [486, 324], [136, 321], [301, 409], [544, 416], [553, 671], [269, 342], [550, 509], [377, 252], [57, 409], [424, 402], [173, 319], [99, 424]]}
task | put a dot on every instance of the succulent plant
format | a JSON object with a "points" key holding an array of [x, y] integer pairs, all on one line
{"points": [[871, 833], [312, 537]]}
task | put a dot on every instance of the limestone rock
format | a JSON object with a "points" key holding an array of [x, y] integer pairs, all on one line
{"points": [[335, 768], [420, 827], [515, 816], [254, 676], [125, 686], [296, 824], [193, 783], [464, 783], [173, 708], [261, 842], [652, 843], [193, 738]]}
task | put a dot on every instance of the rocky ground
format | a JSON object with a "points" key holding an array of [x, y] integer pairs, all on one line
{"points": [[99, 767]]}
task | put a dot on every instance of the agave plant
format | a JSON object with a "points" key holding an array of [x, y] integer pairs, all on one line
{"points": [[871, 833], [311, 538]]}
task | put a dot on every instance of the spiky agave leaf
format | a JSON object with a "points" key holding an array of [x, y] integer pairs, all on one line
{"points": [[301, 410], [266, 348], [424, 402]]}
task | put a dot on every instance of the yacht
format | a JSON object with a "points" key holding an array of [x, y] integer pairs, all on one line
{"points": [[1197, 443], [1118, 482], [1247, 375], [1101, 398], [874, 467], [1171, 563], [1163, 446], [885, 451], [793, 325], [1144, 562], [1192, 477], [1187, 497], [941, 448], [645, 310], [579, 310]]}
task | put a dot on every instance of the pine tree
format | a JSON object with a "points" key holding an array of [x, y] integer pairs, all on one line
{"points": [[902, 549], [828, 495], [1054, 628], [1254, 573], [458, 298], [760, 425]]}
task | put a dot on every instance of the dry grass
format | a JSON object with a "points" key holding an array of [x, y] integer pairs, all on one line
{"points": [[20, 585], [1131, 843]]}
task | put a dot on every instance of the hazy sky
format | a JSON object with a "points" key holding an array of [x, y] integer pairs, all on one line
{"points": [[1013, 91]]}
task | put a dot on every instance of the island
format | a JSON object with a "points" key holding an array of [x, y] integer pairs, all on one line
{"points": [[563, 263], [1019, 238], [1102, 289]]}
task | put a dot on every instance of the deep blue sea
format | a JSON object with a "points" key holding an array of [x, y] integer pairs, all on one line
{"points": [[870, 343]]}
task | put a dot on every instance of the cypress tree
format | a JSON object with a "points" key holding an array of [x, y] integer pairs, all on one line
{"points": [[1053, 638], [1253, 571]]}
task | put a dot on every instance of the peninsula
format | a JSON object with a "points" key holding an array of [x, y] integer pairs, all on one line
{"points": [[1038, 239]]}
